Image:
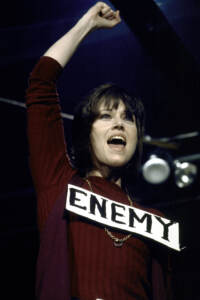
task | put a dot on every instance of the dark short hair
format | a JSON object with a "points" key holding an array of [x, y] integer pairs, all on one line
{"points": [[86, 113]]}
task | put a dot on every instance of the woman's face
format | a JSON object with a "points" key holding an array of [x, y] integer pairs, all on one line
{"points": [[113, 137]]}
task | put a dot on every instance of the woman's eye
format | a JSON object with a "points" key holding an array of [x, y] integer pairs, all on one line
{"points": [[129, 117], [105, 116]]}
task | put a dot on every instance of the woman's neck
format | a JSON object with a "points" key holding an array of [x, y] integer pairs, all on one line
{"points": [[107, 174]]}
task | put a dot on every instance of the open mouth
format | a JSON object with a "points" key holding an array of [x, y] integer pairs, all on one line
{"points": [[117, 140]]}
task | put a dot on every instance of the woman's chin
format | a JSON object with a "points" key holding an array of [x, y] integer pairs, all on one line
{"points": [[117, 163]]}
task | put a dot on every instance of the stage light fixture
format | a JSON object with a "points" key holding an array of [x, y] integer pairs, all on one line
{"points": [[155, 170], [185, 173]]}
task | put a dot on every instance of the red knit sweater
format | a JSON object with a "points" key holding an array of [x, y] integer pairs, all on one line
{"points": [[98, 269]]}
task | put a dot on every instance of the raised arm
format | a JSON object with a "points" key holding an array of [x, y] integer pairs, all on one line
{"points": [[98, 16], [48, 156]]}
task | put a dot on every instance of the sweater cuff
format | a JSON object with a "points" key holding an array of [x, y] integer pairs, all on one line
{"points": [[47, 68]]}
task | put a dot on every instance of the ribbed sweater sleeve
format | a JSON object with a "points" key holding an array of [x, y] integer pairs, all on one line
{"points": [[48, 157]]}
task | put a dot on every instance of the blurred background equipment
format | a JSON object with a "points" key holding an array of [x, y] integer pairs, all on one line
{"points": [[157, 168]]}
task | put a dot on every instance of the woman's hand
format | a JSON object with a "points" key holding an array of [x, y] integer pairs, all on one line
{"points": [[98, 16], [102, 16]]}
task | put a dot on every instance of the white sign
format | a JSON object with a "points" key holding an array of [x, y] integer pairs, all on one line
{"points": [[121, 216]]}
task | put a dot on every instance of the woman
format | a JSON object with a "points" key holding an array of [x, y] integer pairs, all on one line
{"points": [[79, 259]]}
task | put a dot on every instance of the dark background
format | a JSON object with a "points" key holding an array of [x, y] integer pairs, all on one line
{"points": [[155, 53]]}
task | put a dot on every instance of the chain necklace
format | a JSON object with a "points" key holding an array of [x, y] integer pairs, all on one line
{"points": [[117, 241]]}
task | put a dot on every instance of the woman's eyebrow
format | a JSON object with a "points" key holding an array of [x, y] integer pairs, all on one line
{"points": [[105, 109]]}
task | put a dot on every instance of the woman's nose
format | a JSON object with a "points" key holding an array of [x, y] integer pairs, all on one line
{"points": [[118, 123]]}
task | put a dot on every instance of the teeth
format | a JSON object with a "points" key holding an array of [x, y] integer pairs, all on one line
{"points": [[117, 139]]}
